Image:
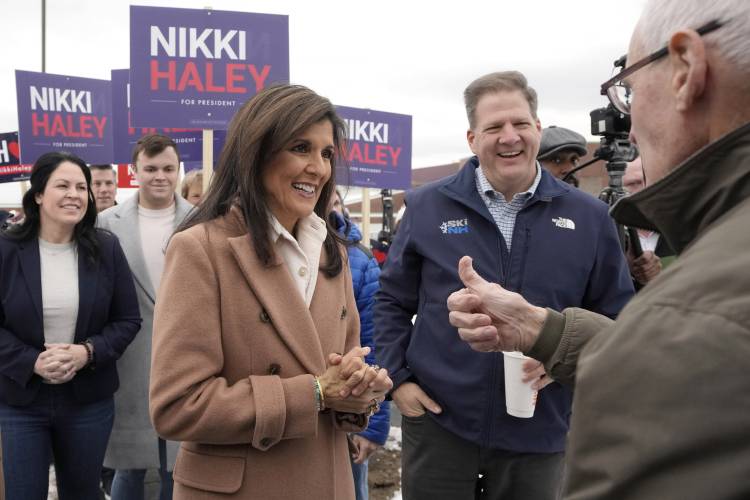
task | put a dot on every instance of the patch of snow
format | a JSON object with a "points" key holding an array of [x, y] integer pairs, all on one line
{"points": [[393, 443]]}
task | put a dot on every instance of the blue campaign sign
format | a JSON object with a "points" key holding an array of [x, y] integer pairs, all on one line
{"points": [[189, 141], [194, 68], [64, 113], [378, 149]]}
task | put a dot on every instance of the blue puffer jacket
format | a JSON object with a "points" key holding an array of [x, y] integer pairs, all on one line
{"points": [[365, 276]]}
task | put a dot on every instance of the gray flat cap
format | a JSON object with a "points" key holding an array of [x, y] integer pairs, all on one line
{"points": [[556, 139]]}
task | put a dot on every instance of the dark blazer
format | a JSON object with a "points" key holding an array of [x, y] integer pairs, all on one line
{"points": [[107, 315]]}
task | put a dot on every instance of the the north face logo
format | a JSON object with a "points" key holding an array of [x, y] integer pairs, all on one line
{"points": [[457, 226], [564, 223]]}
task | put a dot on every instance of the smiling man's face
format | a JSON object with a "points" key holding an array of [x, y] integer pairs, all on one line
{"points": [[506, 139]]}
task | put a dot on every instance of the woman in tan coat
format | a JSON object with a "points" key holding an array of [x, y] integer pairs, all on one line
{"points": [[256, 362]]}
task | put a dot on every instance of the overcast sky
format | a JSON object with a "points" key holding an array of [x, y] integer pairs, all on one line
{"points": [[401, 56]]}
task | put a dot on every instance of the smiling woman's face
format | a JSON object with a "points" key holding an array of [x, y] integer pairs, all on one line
{"points": [[65, 197], [295, 177]]}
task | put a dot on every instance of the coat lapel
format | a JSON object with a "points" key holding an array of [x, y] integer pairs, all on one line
{"points": [[32, 273], [125, 222], [328, 315], [88, 277], [276, 291]]}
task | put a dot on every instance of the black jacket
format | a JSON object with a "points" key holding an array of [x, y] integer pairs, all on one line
{"points": [[107, 315]]}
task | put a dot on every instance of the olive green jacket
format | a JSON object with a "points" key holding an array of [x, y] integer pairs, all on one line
{"points": [[662, 402]]}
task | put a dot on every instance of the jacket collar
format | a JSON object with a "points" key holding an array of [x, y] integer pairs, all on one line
{"points": [[462, 187], [129, 208], [696, 193], [126, 215], [347, 229]]}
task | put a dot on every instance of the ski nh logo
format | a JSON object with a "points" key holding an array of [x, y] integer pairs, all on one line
{"points": [[564, 223], [457, 226]]}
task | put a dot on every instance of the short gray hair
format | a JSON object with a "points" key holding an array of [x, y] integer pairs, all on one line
{"points": [[502, 81], [661, 18]]}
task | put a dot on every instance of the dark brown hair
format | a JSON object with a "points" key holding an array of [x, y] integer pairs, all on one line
{"points": [[105, 167], [262, 127], [84, 232], [153, 144], [502, 81]]}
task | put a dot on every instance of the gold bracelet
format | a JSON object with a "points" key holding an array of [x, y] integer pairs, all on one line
{"points": [[373, 408], [321, 400]]}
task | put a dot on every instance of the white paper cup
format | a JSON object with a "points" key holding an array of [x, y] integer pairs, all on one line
{"points": [[520, 398]]}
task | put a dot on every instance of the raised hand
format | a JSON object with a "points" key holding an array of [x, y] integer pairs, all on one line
{"points": [[489, 317]]}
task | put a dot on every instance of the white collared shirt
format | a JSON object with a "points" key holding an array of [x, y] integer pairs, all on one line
{"points": [[504, 212], [302, 254], [649, 240]]}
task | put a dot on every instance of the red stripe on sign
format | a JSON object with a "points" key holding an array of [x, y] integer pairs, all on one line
{"points": [[15, 169], [126, 176]]}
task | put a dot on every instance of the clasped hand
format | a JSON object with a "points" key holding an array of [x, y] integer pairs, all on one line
{"points": [[60, 362], [350, 385]]}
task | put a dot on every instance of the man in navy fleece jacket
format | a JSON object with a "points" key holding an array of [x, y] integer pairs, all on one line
{"points": [[526, 230]]}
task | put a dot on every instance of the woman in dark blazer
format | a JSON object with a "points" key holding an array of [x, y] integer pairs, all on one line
{"points": [[68, 310]]}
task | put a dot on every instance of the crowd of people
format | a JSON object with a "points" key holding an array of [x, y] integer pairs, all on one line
{"points": [[244, 343]]}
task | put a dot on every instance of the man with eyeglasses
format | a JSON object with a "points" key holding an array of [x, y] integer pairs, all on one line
{"points": [[662, 394], [559, 152]]}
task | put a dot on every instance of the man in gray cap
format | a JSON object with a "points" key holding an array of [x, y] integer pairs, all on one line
{"points": [[560, 150]]}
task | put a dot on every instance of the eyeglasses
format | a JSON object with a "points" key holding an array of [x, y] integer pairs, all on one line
{"points": [[619, 92]]}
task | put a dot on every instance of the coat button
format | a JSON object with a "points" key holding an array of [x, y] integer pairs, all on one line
{"points": [[274, 369], [302, 271], [265, 442], [343, 312], [264, 317]]}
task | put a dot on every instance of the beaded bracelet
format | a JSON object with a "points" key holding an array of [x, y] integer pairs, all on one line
{"points": [[89, 352]]}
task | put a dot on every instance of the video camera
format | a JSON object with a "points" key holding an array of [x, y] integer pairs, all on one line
{"points": [[385, 236], [609, 122], [616, 150]]}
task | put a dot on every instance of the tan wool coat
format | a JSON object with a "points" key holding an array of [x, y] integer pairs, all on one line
{"points": [[235, 351]]}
